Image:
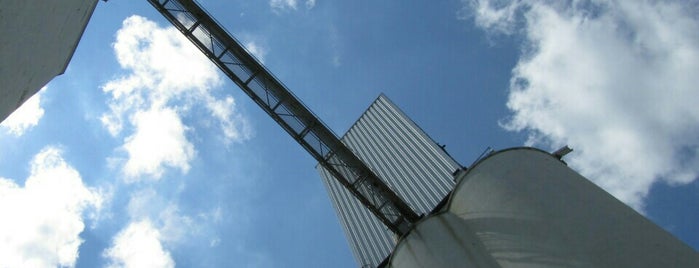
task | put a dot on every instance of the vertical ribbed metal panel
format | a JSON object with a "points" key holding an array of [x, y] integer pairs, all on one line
{"points": [[402, 155]]}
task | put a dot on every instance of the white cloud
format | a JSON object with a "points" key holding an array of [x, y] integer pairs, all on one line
{"points": [[255, 45], [26, 116], [138, 245], [144, 203], [155, 226], [493, 15], [164, 215], [166, 77], [234, 126], [177, 227], [281, 5], [158, 142], [41, 222], [616, 80], [257, 50]]}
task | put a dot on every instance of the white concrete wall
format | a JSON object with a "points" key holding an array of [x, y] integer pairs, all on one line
{"points": [[525, 208], [37, 40]]}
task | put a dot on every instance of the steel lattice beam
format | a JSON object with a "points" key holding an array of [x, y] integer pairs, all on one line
{"points": [[292, 115]]}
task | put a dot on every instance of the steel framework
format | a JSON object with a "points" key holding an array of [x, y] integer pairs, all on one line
{"points": [[292, 115]]}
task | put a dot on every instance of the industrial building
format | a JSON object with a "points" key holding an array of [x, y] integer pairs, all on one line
{"points": [[523, 207], [409, 161], [38, 40], [401, 199], [519, 207]]}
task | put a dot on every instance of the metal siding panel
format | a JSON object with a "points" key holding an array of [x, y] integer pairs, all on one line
{"points": [[368, 238], [400, 153], [416, 156]]}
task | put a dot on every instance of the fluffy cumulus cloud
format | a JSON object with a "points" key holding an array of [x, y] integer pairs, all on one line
{"points": [[160, 141], [42, 221], [166, 78], [147, 204], [139, 245], [156, 226], [281, 5], [26, 116], [615, 80]]}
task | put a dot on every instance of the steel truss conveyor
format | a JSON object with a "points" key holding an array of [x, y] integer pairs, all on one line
{"points": [[292, 115]]}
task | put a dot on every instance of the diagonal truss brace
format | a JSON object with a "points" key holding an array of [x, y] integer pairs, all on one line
{"points": [[292, 115]]}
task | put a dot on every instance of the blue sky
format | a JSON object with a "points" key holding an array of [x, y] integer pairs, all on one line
{"points": [[142, 153]]}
